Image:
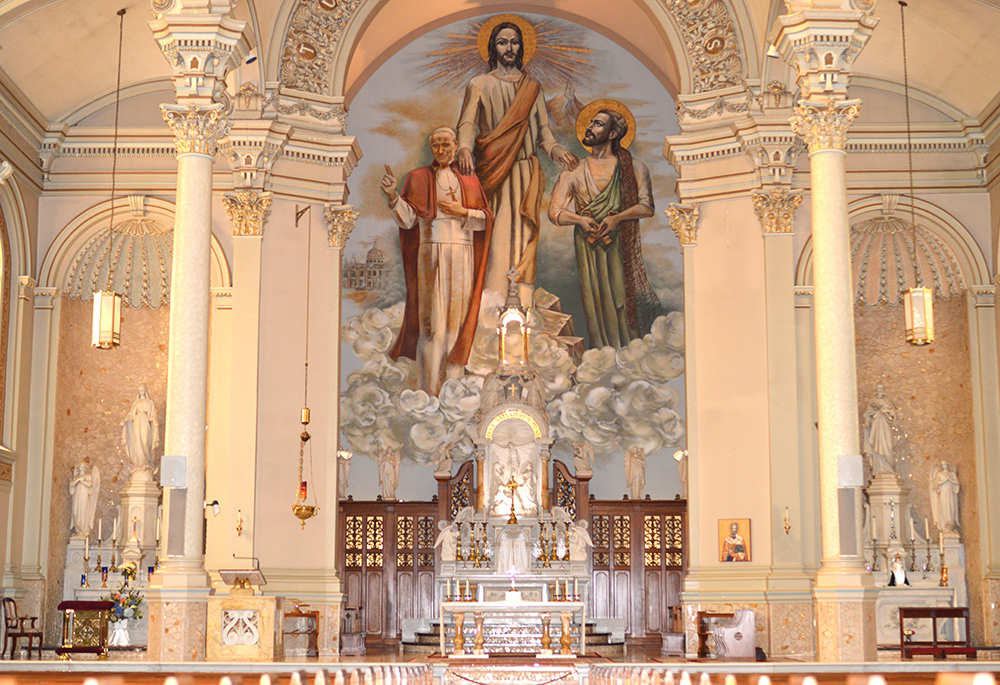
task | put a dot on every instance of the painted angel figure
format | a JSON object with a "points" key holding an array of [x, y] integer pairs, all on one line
{"points": [[84, 490]]}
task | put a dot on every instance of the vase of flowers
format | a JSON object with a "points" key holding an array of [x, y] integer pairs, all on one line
{"points": [[127, 606]]}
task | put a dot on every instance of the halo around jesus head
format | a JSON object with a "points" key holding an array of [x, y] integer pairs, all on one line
{"points": [[527, 35], [588, 113]]}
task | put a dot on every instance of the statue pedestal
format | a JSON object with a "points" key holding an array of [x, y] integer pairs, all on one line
{"points": [[889, 513], [140, 500]]}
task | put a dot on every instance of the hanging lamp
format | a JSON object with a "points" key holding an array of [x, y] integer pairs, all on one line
{"points": [[107, 327], [305, 506], [918, 301]]}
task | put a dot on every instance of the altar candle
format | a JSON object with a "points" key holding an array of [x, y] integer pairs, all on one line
{"points": [[86, 547], [913, 534], [927, 529], [576, 587], [941, 542], [466, 587], [100, 529], [567, 589]]}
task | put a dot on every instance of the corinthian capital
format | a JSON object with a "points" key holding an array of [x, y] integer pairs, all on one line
{"points": [[340, 220], [776, 209], [684, 222], [196, 129], [825, 128], [248, 211]]}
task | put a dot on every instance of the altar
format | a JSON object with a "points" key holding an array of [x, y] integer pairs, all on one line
{"points": [[514, 614]]}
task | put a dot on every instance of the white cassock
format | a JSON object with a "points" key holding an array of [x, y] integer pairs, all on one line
{"points": [[445, 269]]}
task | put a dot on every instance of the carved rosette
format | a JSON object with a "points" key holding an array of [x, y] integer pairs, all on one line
{"points": [[248, 211], [824, 128], [776, 209], [684, 222], [196, 129], [340, 221]]}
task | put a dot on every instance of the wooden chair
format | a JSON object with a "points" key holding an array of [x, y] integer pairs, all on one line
{"points": [[15, 629]]}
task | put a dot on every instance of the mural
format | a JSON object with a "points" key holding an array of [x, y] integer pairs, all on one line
{"points": [[512, 156]]}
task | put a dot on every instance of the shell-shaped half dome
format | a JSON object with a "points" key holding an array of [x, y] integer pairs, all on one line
{"points": [[133, 258], [889, 256]]}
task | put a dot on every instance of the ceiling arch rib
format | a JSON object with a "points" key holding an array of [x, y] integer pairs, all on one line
{"points": [[329, 46]]}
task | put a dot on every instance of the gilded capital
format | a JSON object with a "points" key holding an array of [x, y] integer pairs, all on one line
{"points": [[824, 128], [776, 209], [248, 211], [197, 129], [684, 222], [340, 220]]}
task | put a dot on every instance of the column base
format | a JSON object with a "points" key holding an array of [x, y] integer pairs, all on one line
{"points": [[845, 624], [178, 624]]}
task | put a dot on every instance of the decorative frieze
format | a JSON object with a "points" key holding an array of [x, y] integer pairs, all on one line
{"points": [[248, 211], [825, 127], [776, 209], [196, 129], [340, 221], [684, 222]]}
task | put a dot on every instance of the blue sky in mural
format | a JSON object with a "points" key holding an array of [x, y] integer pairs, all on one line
{"points": [[638, 390]]}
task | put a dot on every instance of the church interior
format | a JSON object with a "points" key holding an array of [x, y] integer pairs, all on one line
{"points": [[593, 342]]}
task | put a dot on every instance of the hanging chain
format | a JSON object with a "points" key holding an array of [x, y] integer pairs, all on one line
{"points": [[305, 401], [114, 149], [918, 282]]}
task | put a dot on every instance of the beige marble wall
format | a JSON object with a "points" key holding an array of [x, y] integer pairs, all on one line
{"points": [[792, 630], [177, 631], [95, 390], [848, 632], [931, 386]]}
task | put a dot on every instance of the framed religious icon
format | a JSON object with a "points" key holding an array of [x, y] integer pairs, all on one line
{"points": [[734, 539]]}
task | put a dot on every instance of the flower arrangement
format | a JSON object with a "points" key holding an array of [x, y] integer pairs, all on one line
{"points": [[127, 603]]}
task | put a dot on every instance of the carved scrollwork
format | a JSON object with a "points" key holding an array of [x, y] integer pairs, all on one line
{"points": [[824, 128], [336, 112], [248, 211], [196, 129], [340, 221], [684, 222], [720, 106], [315, 29], [776, 209], [711, 44]]}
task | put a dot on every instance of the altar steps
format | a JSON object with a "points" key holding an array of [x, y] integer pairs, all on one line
{"points": [[510, 639]]}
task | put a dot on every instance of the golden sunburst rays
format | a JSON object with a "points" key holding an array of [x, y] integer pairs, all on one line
{"points": [[560, 56]]}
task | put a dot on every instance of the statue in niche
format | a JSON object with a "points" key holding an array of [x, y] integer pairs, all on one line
{"points": [[944, 489], [388, 472], [444, 459], [343, 472], [514, 462], [141, 431], [879, 419], [84, 491], [583, 458], [635, 470]]}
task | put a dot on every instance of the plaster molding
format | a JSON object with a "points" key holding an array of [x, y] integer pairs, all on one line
{"points": [[196, 129], [825, 127], [310, 42], [684, 222], [248, 212], [710, 41], [776, 209], [340, 221]]}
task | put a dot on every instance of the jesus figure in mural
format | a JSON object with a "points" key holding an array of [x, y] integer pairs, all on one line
{"points": [[502, 124]]}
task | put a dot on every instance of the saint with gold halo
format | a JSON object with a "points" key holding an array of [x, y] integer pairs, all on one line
{"points": [[502, 124], [604, 197]]}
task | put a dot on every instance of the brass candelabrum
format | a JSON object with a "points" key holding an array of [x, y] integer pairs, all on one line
{"points": [[928, 566], [546, 556]]}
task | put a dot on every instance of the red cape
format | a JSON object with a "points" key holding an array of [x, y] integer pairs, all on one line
{"points": [[420, 191]]}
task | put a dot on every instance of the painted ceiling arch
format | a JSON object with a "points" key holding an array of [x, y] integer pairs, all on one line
{"points": [[332, 46]]}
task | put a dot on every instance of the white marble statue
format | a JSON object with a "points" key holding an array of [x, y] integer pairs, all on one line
{"points": [[514, 461], [141, 431], [388, 472], [84, 490], [579, 541], [681, 457], [444, 459], [944, 489], [447, 539], [343, 472], [879, 419], [635, 471], [583, 458], [512, 549]]}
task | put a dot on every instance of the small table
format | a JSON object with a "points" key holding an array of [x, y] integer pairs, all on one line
{"points": [[312, 639], [85, 628], [938, 648], [542, 610]]}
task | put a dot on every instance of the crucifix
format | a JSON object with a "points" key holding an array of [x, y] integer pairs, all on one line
{"points": [[513, 485], [135, 525]]}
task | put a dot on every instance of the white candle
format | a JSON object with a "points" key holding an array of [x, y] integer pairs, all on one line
{"points": [[913, 534], [466, 587], [874, 532], [941, 543], [927, 529], [576, 587], [86, 547], [157, 525], [100, 529], [114, 530]]}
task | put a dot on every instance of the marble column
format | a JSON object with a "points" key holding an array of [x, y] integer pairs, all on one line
{"points": [[180, 589]]}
